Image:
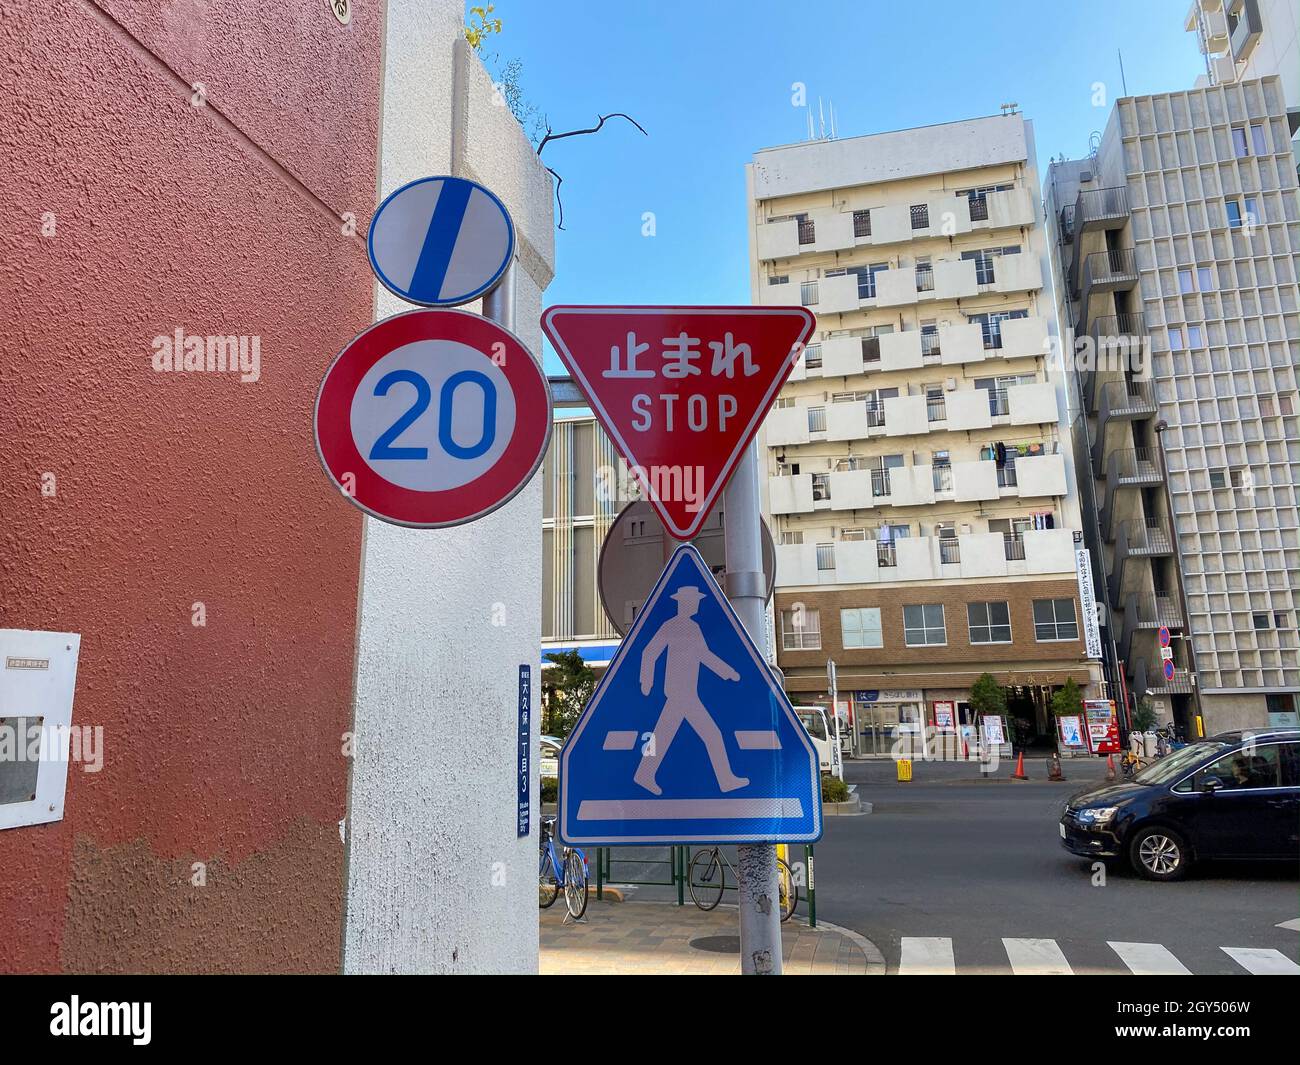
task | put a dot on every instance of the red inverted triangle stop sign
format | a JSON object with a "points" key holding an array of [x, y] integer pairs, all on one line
{"points": [[680, 390]]}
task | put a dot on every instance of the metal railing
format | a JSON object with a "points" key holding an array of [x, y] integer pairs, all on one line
{"points": [[920, 216], [870, 349], [1116, 264], [949, 550], [808, 295], [998, 402], [1146, 536], [936, 409], [1127, 397], [942, 476], [1136, 465], [807, 232], [886, 554], [929, 343], [1100, 205], [924, 277], [825, 556], [875, 416], [1007, 475], [1013, 546], [862, 223], [880, 482], [979, 208]]}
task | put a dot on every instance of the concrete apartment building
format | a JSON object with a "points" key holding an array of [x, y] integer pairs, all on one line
{"points": [[579, 504], [1179, 236], [916, 479], [1247, 39]]}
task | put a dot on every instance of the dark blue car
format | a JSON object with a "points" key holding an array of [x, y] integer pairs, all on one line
{"points": [[1235, 796]]}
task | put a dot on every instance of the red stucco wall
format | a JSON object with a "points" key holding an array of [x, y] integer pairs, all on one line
{"points": [[222, 742]]}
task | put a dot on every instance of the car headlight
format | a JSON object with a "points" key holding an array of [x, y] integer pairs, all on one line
{"points": [[1097, 814]]}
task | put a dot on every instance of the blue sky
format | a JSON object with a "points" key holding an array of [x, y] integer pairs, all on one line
{"points": [[711, 83]]}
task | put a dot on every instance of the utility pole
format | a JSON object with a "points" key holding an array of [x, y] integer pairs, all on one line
{"points": [[760, 911]]}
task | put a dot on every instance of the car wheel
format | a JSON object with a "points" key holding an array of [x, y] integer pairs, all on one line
{"points": [[1159, 853]]}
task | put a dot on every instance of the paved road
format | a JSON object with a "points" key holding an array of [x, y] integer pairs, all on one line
{"points": [[949, 868]]}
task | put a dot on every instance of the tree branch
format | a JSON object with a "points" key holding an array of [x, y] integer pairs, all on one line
{"points": [[602, 119]]}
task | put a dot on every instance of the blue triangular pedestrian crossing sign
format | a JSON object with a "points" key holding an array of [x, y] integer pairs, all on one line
{"points": [[689, 738]]}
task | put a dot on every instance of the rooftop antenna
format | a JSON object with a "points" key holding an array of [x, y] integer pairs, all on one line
{"points": [[832, 107], [821, 118], [811, 134], [1122, 80], [1010, 109]]}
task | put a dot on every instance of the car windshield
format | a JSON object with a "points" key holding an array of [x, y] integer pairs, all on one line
{"points": [[1172, 766], [815, 724]]}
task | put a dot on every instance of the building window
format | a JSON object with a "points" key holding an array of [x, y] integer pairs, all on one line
{"points": [[779, 279], [808, 293], [1054, 620], [860, 628], [1258, 140], [1260, 622], [789, 538], [801, 629], [1175, 338], [817, 419], [1239, 148], [920, 216], [862, 223], [923, 625], [1237, 217], [825, 556], [1185, 284], [989, 622], [1205, 278], [1194, 337], [821, 487], [1219, 478], [867, 279], [784, 402], [1281, 619]]}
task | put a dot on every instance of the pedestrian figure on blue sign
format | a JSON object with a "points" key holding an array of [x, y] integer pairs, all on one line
{"points": [[687, 651]]}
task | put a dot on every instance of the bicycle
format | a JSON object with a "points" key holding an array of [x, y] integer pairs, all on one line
{"points": [[566, 870], [708, 880]]}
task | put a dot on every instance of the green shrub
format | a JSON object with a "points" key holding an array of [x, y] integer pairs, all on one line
{"points": [[834, 789], [550, 789]]}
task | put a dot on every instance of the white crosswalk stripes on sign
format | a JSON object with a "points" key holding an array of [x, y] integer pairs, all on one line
{"points": [[1262, 962], [1149, 959], [1036, 957], [926, 956]]}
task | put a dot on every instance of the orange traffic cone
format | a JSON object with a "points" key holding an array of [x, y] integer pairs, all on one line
{"points": [[1110, 768], [1054, 768], [965, 750], [1020, 773]]}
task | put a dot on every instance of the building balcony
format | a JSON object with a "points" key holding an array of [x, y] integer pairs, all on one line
{"points": [[1147, 612], [923, 558], [1123, 400], [1137, 538], [1244, 29], [1131, 468], [1118, 345], [1096, 209], [1107, 271]]}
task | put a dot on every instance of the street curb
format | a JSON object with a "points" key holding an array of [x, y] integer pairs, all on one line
{"points": [[875, 960]]}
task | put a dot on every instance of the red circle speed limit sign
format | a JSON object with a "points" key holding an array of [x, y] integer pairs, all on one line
{"points": [[432, 418]]}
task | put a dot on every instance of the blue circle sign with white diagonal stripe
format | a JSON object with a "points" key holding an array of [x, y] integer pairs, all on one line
{"points": [[441, 241]]}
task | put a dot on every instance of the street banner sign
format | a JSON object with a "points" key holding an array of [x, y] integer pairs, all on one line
{"points": [[432, 418], [680, 390], [441, 241], [1169, 669], [689, 738], [1163, 634], [632, 557]]}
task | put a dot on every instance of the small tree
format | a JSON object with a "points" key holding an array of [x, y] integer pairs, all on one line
{"points": [[1143, 718], [566, 687], [987, 697], [1068, 700]]}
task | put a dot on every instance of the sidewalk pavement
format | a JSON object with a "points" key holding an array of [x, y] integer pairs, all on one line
{"points": [[646, 938]]}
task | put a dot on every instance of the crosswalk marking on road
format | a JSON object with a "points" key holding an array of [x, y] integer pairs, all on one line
{"points": [[933, 956], [1149, 959], [926, 956], [1291, 926], [1036, 957], [1262, 962]]}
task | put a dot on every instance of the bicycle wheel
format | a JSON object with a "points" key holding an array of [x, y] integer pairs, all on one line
{"points": [[787, 890], [547, 889], [706, 879], [575, 884]]}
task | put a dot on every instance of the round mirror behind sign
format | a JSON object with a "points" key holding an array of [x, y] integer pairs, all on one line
{"points": [[636, 548]]}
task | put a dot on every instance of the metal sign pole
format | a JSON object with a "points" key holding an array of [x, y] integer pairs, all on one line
{"points": [[499, 304], [760, 911]]}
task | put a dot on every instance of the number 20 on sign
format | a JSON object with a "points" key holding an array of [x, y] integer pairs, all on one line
{"points": [[432, 418]]}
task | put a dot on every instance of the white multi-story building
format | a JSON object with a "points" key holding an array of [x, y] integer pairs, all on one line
{"points": [[1180, 236], [915, 477]]}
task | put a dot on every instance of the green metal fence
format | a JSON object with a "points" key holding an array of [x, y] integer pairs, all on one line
{"points": [[670, 867]]}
